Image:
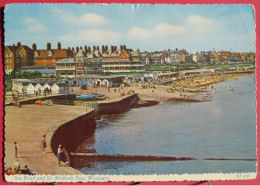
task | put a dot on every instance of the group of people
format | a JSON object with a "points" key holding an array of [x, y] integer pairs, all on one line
{"points": [[63, 155], [15, 100], [17, 170]]}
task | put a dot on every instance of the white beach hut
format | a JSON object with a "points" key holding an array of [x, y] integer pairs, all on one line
{"points": [[55, 89], [29, 89], [46, 86], [38, 88]]}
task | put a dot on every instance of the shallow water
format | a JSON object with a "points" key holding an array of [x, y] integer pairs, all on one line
{"points": [[224, 127]]}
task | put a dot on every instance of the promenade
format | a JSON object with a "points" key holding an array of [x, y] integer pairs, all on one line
{"points": [[26, 126]]}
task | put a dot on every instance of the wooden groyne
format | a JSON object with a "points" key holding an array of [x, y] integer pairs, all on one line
{"points": [[127, 158]]}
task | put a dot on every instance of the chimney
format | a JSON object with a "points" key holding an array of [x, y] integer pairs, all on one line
{"points": [[94, 48], [13, 48], [106, 47], [72, 49], [34, 46], [124, 47], [85, 49], [112, 48], [69, 48], [18, 44], [121, 47], [48, 46], [89, 49], [81, 48], [77, 49], [59, 46], [97, 47], [102, 49]]}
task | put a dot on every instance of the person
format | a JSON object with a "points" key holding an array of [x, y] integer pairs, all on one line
{"points": [[18, 95], [43, 143], [15, 150], [67, 159], [27, 170], [115, 90], [60, 154]]}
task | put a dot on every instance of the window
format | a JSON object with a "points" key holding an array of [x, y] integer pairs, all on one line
{"points": [[44, 60], [54, 60], [6, 55]]}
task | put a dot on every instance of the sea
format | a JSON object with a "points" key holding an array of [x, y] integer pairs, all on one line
{"points": [[222, 127]]}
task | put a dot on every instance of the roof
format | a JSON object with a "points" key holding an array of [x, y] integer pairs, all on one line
{"points": [[43, 71], [66, 61], [26, 48], [24, 80], [12, 48], [56, 53], [62, 84], [37, 67]]}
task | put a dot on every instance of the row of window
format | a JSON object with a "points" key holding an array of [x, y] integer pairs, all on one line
{"points": [[8, 55], [54, 60], [8, 60]]}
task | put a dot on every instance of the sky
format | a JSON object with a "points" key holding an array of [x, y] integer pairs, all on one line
{"points": [[138, 26]]}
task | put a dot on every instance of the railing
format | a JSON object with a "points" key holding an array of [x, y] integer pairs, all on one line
{"points": [[90, 106]]}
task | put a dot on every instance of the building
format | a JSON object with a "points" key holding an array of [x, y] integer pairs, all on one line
{"points": [[25, 56], [17, 56], [122, 60], [66, 67], [174, 59], [158, 58], [49, 56], [88, 61]]}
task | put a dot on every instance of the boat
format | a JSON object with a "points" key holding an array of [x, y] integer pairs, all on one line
{"points": [[86, 97], [231, 89], [91, 97]]}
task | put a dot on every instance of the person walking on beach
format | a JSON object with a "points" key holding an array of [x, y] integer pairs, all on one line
{"points": [[15, 150], [67, 158], [43, 143], [60, 154]]}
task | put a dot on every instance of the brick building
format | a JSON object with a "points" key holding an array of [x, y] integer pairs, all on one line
{"points": [[49, 56]]}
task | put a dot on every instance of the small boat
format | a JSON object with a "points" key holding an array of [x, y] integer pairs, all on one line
{"points": [[231, 89], [85, 97]]}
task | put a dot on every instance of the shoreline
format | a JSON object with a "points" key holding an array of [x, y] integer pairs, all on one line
{"points": [[145, 98]]}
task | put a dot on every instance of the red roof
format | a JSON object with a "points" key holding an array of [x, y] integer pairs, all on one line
{"points": [[56, 53]]}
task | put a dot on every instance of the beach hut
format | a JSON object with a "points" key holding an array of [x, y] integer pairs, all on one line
{"points": [[29, 89], [55, 89], [46, 87], [38, 88], [64, 88], [98, 82]]}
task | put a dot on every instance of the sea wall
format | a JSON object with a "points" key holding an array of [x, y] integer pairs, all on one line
{"points": [[72, 133], [116, 107]]}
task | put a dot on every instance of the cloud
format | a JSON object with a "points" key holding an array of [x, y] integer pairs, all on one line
{"points": [[29, 20], [36, 28], [160, 30], [200, 24], [84, 20], [140, 33], [33, 25], [165, 28], [98, 36]]}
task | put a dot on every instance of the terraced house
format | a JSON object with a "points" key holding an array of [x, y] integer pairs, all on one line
{"points": [[17, 56], [49, 56], [122, 60]]}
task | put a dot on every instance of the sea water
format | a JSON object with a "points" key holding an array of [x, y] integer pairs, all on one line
{"points": [[224, 127]]}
